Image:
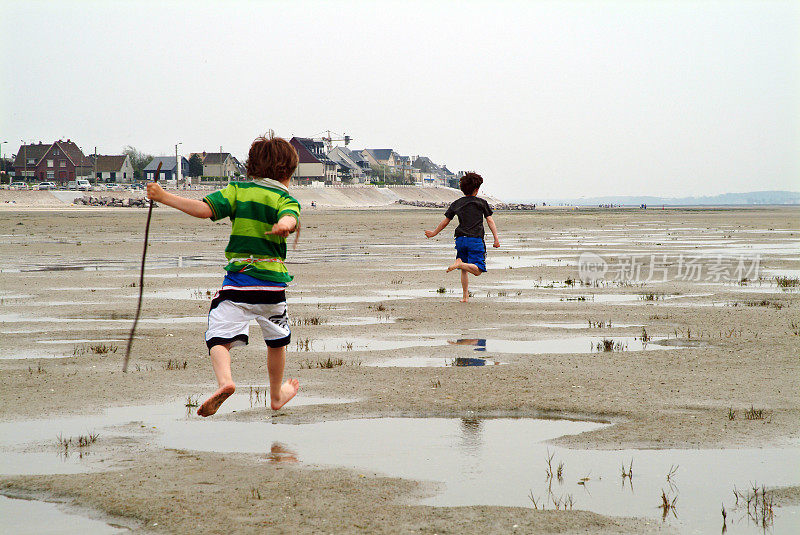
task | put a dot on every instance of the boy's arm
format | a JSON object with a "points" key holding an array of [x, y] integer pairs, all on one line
{"points": [[285, 226], [493, 228], [444, 223], [189, 206]]}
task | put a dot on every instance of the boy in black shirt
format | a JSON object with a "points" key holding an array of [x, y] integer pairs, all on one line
{"points": [[470, 249]]}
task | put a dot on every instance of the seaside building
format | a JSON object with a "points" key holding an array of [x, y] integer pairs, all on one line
{"points": [[113, 168], [352, 167], [429, 173], [59, 162], [169, 168], [313, 166], [218, 164]]}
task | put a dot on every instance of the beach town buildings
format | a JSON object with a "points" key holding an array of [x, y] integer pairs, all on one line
{"points": [[380, 157], [113, 168], [319, 164], [219, 165], [314, 166], [59, 162], [352, 167], [431, 174], [169, 168]]}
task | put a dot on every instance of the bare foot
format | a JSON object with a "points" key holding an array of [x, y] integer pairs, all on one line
{"points": [[455, 265], [464, 299], [288, 391], [211, 405]]}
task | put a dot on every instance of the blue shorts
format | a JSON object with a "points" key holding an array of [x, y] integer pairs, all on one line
{"points": [[472, 251]]}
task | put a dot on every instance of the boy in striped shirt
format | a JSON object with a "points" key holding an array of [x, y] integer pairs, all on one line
{"points": [[262, 214]]}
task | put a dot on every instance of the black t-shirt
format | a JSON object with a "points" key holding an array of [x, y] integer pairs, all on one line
{"points": [[470, 211]]}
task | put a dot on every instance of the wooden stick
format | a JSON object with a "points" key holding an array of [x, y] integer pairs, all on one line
{"points": [[141, 279]]}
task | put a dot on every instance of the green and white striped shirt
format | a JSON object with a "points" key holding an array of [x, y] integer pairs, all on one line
{"points": [[254, 207]]}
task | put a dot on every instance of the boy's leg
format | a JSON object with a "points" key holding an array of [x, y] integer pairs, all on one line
{"points": [[459, 264], [227, 327], [221, 362], [464, 286], [280, 393], [465, 250]]}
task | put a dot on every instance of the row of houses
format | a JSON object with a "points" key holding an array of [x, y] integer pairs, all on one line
{"points": [[215, 166], [344, 165], [64, 161]]}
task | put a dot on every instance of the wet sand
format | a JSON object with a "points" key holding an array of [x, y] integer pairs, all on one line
{"points": [[351, 265]]}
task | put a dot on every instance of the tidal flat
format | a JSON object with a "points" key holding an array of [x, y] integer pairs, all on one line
{"points": [[671, 377]]}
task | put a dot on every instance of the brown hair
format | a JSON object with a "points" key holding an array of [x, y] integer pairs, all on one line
{"points": [[271, 157], [470, 182]]}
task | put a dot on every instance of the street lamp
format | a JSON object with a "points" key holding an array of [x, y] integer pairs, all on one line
{"points": [[177, 164], [3, 163], [24, 159]]}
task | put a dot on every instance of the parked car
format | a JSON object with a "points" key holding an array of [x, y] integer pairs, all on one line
{"points": [[18, 185], [47, 185], [81, 184]]}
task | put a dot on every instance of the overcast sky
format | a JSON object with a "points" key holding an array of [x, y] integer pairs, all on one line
{"points": [[544, 99]]}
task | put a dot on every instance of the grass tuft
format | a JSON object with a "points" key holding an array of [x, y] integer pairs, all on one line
{"points": [[176, 364], [755, 414], [327, 364], [787, 282]]}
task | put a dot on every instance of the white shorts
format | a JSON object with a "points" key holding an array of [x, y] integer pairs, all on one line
{"points": [[232, 311]]}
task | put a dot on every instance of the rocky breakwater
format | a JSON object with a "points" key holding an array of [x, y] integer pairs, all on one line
{"points": [[124, 202], [495, 206]]}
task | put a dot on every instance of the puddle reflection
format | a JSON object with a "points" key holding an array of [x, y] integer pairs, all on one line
{"points": [[471, 455], [22, 515], [362, 344], [432, 362], [577, 344]]}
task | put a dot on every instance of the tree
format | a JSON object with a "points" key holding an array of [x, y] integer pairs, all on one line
{"points": [[5, 169], [139, 160], [195, 165]]}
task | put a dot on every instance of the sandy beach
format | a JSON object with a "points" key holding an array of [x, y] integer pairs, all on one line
{"points": [[717, 369]]}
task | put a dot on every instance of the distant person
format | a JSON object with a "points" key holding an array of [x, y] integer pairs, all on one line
{"points": [[470, 248], [263, 214]]}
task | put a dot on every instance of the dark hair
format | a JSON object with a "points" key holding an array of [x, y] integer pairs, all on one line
{"points": [[271, 157], [470, 182]]}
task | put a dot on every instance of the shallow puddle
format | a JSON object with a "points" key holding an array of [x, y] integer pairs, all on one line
{"points": [[783, 272], [30, 446], [4, 295], [605, 298], [22, 318], [31, 354], [196, 294], [528, 261], [503, 462], [21, 516], [81, 341], [586, 325], [335, 299], [576, 344], [361, 344], [377, 320], [105, 264], [480, 461], [433, 362]]}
